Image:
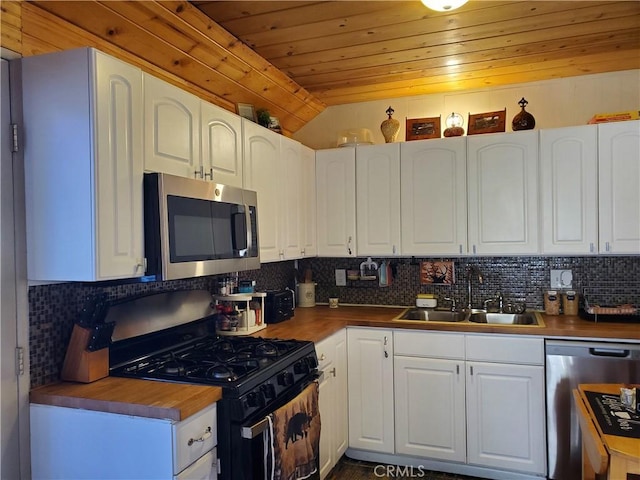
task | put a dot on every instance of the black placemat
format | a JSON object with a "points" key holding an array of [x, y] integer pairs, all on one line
{"points": [[613, 417]]}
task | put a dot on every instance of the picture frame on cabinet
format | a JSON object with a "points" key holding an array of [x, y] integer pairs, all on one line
{"points": [[246, 110], [489, 122], [423, 128]]}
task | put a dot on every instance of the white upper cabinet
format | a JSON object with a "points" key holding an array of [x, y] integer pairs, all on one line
{"points": [[336, 202], [309, 243], [262, 173], [221, 137], [171, 129], [378, 199], [433, 177], [83, 166], [502, 174], [569, 190], [292, 198], [619, 192]]}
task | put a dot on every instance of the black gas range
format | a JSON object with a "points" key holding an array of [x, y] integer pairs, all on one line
{"points": [[257, 375]]}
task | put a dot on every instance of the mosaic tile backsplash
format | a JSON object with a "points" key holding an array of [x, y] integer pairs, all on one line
{"points": [[53, 309]]}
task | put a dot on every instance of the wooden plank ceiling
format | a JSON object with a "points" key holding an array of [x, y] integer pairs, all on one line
{"points": [[353, 51]]}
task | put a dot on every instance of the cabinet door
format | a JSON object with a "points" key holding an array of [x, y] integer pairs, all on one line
{"points": [[292, 198], [262, 170], [619, 176], [119, 229], [336, 197], [309, 243], [434, 196], [370, 380], [171, 129], [506, 417], [221, 134], [326, 406], [430, 408], [341, 433], [378, 199], [569, 190], [502, 172]]}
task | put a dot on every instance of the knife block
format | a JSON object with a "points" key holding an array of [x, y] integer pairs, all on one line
{"points": [[81, 365]]}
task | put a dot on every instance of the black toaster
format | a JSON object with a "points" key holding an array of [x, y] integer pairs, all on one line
{"points": [[279, 305]]}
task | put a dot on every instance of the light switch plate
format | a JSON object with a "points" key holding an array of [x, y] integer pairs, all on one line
{"points": [[561, 279], [341, 277]]}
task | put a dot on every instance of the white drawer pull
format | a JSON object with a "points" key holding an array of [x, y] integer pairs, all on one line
{"points": [[205, 435], [322, 357]]}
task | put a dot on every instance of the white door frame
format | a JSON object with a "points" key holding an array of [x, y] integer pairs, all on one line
{"points": [[14, 325]]}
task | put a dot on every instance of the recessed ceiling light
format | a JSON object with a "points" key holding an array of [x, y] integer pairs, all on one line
{"points": [[443, 5]]}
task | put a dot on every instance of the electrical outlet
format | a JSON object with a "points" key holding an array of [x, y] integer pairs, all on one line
{"points": [[341, 277], [561, 279]]}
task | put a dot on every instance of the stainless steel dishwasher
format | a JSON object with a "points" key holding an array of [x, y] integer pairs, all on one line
{"points": [[569, 363]]}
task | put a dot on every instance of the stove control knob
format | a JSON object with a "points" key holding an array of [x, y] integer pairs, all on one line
{"points": [[268, 390], [312, 361], [285, 378], [301, 367], [255, 399]]}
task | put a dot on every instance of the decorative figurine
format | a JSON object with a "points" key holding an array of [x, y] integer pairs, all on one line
{"points": [[523, 120], [390, 127]]}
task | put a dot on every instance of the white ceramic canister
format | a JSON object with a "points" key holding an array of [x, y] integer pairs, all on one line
{"points": [[306, 294]]}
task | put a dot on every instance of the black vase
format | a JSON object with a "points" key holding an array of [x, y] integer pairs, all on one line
{"points": [[523, 120]]}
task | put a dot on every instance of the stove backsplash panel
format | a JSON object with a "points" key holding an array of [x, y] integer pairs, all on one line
{"points": [[53, 309]]}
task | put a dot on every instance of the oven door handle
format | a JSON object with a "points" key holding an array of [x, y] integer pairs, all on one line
{"points": [[256, 429]]}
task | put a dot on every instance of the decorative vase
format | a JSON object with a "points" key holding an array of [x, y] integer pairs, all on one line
{"points": [[390, 127], [523, 120], [333, 302]]}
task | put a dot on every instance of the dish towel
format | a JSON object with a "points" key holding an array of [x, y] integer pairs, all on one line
{"points": [[292, 440]]}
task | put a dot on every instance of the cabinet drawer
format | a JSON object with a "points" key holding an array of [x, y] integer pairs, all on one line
{"points": [[428, 344], [325, 351], [509, 349], [194, 437]]}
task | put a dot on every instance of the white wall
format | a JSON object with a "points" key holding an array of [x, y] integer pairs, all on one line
{"points": [[553, 103]]}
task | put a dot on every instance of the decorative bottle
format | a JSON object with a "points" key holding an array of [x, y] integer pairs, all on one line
{"points": [[390, 127]]}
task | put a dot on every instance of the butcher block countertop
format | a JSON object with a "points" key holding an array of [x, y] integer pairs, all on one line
{"points": [[178, 401], [128, 396], [319, 322]]}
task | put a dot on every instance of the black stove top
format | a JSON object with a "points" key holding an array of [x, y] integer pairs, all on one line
{"points": [[227, 362]]}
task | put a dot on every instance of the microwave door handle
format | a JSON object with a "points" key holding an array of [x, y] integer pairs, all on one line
{"points": [[239, 228]]}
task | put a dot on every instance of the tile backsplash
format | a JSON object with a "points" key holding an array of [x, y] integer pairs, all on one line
{"points": [[53, 309]]}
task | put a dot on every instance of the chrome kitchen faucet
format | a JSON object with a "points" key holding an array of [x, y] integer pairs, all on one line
{"points": [[471, 270]]}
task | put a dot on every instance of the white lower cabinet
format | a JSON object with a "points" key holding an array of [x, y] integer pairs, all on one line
{"points": [[334, 436], [429, 395], [475, 400], [371, 419], [97, 445]]}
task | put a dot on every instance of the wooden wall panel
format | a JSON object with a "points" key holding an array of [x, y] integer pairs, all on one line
{"points": [[11, 25]]}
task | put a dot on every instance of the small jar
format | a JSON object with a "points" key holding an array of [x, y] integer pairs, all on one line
{"points": [[570, 302], [551, 302]]}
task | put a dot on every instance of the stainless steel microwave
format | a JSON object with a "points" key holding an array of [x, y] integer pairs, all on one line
{"points": [[195, 228]]}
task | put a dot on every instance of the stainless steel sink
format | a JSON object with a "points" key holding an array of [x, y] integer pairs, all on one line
{"points": [[430, 315], [505, 318]]}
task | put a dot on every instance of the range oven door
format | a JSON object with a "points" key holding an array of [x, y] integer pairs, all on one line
{"points": [[243, 457]]}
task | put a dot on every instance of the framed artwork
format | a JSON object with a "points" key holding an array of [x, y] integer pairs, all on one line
{"points": [[490, 122], [442, 273], [422, 128], [246, 110]]}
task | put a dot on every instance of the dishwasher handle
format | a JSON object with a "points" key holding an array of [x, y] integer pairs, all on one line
{"points": [[609, 352]]}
